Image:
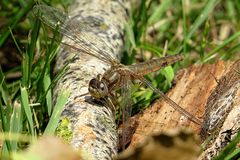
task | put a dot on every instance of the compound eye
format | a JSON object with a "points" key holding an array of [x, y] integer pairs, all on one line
{"points": [[93, 82], [103, 89], [91, 89], [102, 86]]}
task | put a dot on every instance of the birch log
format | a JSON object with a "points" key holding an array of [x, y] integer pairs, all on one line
{"points": [[92, 127]]}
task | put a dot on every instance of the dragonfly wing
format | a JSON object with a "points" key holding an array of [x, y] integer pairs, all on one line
{"points": [[171, 102], [77, 31], [126, 105]]}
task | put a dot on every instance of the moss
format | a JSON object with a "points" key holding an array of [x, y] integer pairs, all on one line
{"points": [[64, 130]]}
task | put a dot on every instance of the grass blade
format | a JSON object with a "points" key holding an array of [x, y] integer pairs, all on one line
{"points": [[15, 125], [47, 83], [15, 20], [26, 106], [57, 111], [229, 149], [199, 21]]}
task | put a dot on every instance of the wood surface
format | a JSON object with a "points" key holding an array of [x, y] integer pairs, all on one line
{"points": [[195, 90]]}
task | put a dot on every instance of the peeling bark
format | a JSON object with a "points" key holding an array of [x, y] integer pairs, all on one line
{"points": [[222, 115], [200, 89]]}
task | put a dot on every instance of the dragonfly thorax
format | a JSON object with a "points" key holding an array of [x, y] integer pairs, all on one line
{"points": [[98, 89]]}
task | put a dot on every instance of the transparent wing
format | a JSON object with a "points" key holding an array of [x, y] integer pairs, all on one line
{"points": [[77, 31], [126, 105], [171, 102]]}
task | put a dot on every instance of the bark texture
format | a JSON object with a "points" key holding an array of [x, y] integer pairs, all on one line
{"points": [[92, 126]]}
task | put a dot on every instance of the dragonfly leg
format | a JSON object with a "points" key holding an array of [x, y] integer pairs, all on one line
{"points": [[99, 77], [111, 102], [113, 86]]}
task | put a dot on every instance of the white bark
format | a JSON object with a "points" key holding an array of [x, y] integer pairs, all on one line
{"points": [[93, 126]]}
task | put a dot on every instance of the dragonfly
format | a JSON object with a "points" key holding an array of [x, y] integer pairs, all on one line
{"points": [[118, 77]]}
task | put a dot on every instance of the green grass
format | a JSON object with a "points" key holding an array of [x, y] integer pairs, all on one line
{"points": [[26, 106], [231, 151], [204, 31], [194, 23]]}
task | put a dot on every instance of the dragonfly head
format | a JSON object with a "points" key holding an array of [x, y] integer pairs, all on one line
{"points": [[97, 88]]}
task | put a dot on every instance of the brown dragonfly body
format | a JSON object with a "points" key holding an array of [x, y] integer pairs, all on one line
{"points": [[119, 76]]}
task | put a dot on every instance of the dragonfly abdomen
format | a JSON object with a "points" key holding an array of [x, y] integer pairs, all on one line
{"points": [[153, 65]]}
